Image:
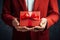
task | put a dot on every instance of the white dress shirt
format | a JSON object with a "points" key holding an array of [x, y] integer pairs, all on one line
{"points": [[29, 4]]}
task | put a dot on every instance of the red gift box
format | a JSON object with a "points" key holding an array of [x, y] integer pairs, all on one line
{"points": [[29, 19]]}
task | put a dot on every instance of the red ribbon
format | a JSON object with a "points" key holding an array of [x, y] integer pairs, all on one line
{"points": [[27, 16]]}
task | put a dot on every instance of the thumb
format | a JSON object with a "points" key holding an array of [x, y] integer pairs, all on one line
{"points": [[17, 21], [43, 21]]}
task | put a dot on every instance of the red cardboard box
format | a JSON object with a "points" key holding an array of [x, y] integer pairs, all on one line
{"points": [[29, 19]]}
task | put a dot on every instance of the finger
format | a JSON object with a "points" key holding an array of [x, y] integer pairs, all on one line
{"points": [[22, 29], [35, 29], [38, 28], [29, 29]]}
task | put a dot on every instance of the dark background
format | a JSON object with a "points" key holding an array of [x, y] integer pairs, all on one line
{"points": [[6, 31]]}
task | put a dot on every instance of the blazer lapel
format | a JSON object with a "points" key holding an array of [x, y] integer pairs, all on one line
{"points": [[36, 4], [23, 4]]}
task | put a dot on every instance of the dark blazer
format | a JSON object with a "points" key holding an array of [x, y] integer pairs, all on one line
{"points": [[48, 9]]}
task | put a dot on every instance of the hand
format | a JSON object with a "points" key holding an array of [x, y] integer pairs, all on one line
{"points": [[15, 23], [43, 23], [42, 26], [22, 28]]}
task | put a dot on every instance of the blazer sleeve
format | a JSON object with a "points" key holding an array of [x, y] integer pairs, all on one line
{"points": [[6, 13], [53, 14]]}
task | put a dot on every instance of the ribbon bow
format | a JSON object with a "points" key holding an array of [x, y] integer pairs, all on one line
{"points": [[33, 16]]}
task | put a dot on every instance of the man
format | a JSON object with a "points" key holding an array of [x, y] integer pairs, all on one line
{"points": [[49, 16]]}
